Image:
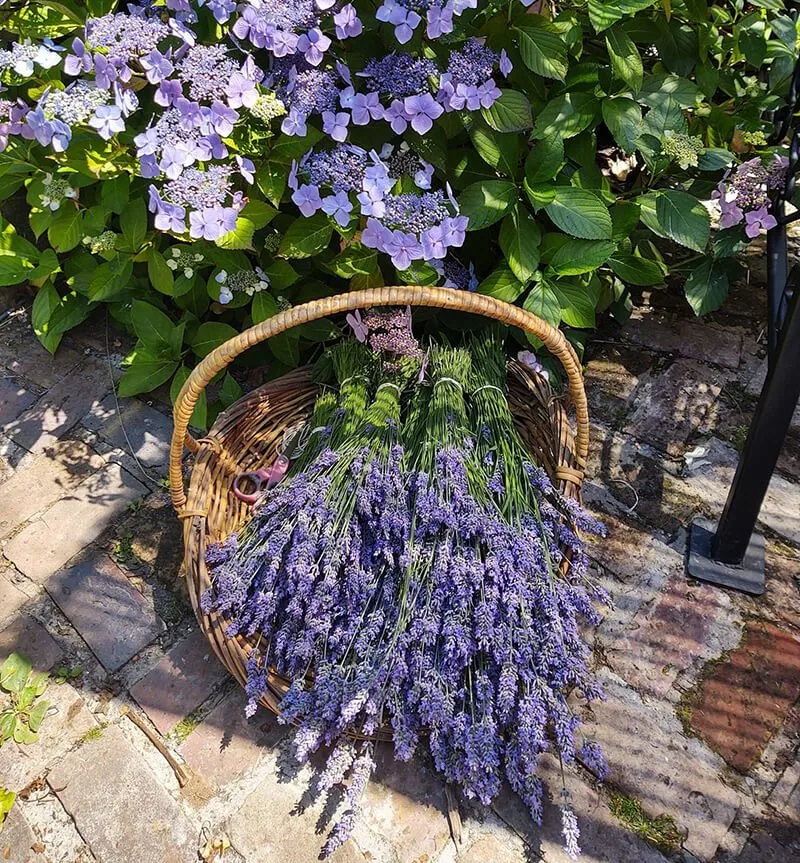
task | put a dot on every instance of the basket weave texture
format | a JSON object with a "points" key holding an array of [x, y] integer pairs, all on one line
{"points": [[248, 434]]}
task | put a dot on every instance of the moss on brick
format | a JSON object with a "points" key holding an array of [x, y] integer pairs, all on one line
{"points": [[186, 726], [661, 831], [686, 704]]}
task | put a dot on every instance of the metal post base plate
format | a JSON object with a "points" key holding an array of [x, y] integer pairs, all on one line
{"points": [[748, 577]]}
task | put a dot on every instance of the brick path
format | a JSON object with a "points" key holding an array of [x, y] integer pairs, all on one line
{"points": [[702, 721]]}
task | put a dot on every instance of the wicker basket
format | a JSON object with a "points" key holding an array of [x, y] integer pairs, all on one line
{"points": [[246, 436]]}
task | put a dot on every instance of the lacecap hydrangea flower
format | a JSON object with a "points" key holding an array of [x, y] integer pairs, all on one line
{"points": [[743, 195], [408, 226]]}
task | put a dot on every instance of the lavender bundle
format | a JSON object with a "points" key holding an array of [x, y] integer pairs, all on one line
{"points": [[270, 580], [538, 652], [444, 691], [368, 483]]}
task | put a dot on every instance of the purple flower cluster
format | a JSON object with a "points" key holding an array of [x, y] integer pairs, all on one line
{"points": [[200, 92], [744, 195], [306, 91], [23, 58], [408, 226], [467, 83], [494, 639], [403, 90], [294, 28], [206, 196], [215, 103], [405, 16]]}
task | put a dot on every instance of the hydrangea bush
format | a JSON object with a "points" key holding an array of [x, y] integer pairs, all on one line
{"points": [[196, 165]]}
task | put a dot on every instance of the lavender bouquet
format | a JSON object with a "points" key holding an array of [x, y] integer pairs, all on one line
{"points": [[408, 573], [311, 577]]}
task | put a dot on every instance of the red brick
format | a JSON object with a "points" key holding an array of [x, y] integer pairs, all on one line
{"points": [[658, 331], [611, 376], [17, 839], [747, 697], [181, 682], [11, 597], [61, 407], [30, 360], [14, 398], [651, 761], [667, 637], [783, 584], [673, 405], [113, 618], [45, 480], [43, 546], [120, 808], [25, 635], [227, 743]]}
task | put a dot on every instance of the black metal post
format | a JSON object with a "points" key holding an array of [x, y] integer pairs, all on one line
{"points": [[763, 446], [733, 555], [777, 269]]}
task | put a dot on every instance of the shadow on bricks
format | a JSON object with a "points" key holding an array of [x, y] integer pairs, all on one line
{"points": [[61, 407]]}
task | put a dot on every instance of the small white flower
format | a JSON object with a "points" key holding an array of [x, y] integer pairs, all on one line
{"points": [[225, 296], [46, 58], [24, 67]]}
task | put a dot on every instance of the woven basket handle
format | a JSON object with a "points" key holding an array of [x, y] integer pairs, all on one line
{"points": [[413, 295]]}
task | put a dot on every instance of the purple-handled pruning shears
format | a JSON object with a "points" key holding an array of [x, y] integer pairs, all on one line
{"points": [[260, 480]]}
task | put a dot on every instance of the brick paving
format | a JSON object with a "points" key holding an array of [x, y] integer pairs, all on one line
{"points": [[701, 722], [180, 683], [746, 698], [61, 407], [46, 543], [119, 805], [14, 398], [105, 608], [46, 480]]}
